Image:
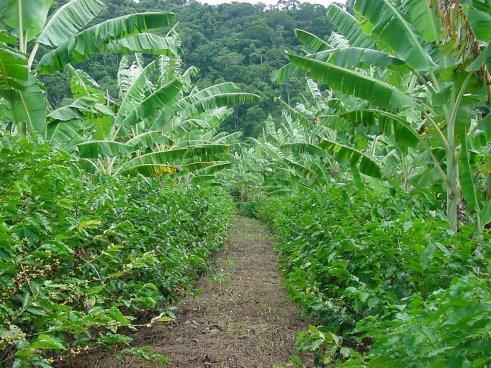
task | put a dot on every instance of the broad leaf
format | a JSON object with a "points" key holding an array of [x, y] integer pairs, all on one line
{"points": [[95, 39], [146, 43], [311, 42], [28, 14], [365, 164], [353, 83], [158, 100], [480, 18], [68, 20], [348, 26], [388, 26], [135, 92], [466, 179], [13, 70], [423, 15], [149, 139], [96, 149], [29, 107], [389, 123]]}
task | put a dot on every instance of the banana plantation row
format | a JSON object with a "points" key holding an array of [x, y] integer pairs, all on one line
{"points": [[378, 184]]}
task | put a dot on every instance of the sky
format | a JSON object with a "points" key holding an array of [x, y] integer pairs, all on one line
{"points": [[270, 2]]}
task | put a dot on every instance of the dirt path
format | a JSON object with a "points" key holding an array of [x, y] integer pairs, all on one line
{"points": [[241, 318]]}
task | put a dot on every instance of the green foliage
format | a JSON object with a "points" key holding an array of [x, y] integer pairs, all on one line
{"points": [[82, 256], [381, 268], [237, 42]]}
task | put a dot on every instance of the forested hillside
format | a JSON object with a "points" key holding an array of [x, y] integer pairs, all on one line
{"points": [[236, 42]]}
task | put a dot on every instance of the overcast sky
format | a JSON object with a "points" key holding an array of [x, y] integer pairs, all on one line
{"points": [[270, 2]]}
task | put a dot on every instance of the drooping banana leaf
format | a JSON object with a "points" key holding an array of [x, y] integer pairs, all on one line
{"points": [[13, 70], [219, 95], [348, 26], [311, 42], [82, 85], [29, 107], [146, 43], [389, 123], [158, 100], [68, 20], [207, 167], [135, 92], [345, 57], [466, 179], [154, 159], [484, 58], [149, 139], [75, 110], [95, 39], [353, 83], [65, 133], [103, 148], [480, 18], [28, 14], [423, 16], [364, 163], [305, 148], [389, 27], [299, 168], [361, 57]]}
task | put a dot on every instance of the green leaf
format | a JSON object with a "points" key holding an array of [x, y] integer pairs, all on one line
{"points": [[365, 164], [47, 342], [65, 134], [28, 14], [150, 138], [135, 93], [389, 123], [311, 42], [467, 182], [161, 98], [96, 149], [68, 20], [29, 108], [146, 43], [350, 82], [387, 25], [348, 26], [95, 39], [173, 156], [13, 70], [219, 95], [480, 18], [483, 59], [423, 16], [305, 148], [360, 57], [82, 85]]}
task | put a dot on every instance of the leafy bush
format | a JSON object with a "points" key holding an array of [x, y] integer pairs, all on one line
{"points": [[373, 267], [81, 257]]}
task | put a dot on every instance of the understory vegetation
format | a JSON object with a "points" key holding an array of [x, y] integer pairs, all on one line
{"points": [[79, 273], [381, 274], [367, 151]]}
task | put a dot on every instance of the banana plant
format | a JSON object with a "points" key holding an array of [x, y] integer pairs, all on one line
{"points": [[420, 71], [304, 150], [64, 38], [161, 124]]}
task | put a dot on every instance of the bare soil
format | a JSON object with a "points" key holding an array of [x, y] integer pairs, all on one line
{"points": [[240, 316]]}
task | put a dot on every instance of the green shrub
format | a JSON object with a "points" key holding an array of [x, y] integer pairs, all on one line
{"points": [[82, 256], [357, 260]]}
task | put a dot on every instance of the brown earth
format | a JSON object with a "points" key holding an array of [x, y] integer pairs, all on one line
{"points": [[239, 318]]}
